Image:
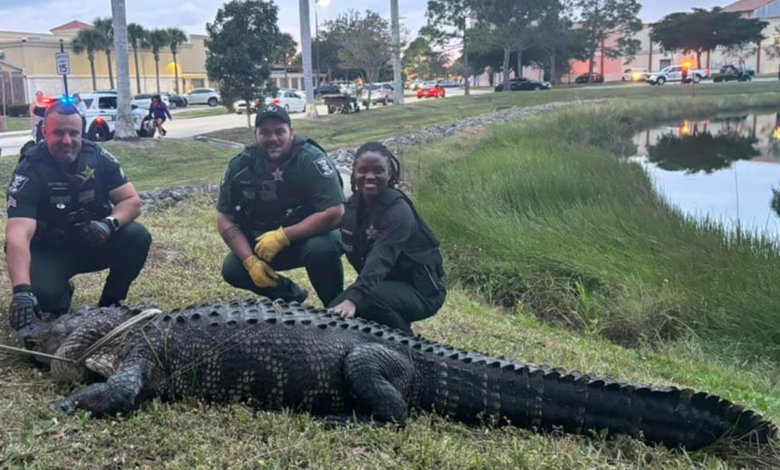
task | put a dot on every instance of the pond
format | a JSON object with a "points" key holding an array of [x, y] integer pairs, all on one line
{"points": [[726, 168]]}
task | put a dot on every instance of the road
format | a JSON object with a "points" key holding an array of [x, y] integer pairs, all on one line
{"points": [[188, 128]]}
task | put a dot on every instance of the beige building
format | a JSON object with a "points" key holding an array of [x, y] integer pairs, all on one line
{"points": [[30, 58]]}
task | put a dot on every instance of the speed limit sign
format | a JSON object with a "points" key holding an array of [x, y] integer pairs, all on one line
{"points": [[63, 63]]}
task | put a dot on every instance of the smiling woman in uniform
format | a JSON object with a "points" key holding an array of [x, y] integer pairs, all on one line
{"points": [[400, 275]]}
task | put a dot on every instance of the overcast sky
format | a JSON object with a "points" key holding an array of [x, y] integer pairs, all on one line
{"points": [[192, 15]]}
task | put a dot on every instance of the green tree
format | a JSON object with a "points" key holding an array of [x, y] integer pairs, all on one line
{"points": [[106, 28], [773, 50], [285, 52], [449, 20], [509, 24], [364, 42], [242, 40], [136, 35], [89, 40], [421, 60], [176, 37], [557, 40], [702, 30], [609, 26], [156, 40]]}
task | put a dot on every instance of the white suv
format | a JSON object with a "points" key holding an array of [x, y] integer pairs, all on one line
{"points": [[207, 96], [101, 117]]}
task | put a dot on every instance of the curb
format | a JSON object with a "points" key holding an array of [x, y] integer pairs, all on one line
{"points": [[4, 135], [224, 143]]}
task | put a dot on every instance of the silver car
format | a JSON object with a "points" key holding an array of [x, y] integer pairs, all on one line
{"points": [[207, 96]]}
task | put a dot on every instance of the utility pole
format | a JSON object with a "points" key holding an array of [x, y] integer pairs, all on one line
{"points": [[396, 32], [311, 106], [317, 38], [125, 127]]}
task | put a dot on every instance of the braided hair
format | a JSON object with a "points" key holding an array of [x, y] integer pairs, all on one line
{"points": [[392, 160]]}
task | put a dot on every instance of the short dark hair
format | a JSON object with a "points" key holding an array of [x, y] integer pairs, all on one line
{"points": [[66, 109]]}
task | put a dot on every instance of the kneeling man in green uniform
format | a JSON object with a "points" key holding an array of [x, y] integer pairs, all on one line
{"points": [[71, 210], [280, 204]]}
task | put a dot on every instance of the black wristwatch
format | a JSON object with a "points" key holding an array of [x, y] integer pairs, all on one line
{"points": [[113, 223]]}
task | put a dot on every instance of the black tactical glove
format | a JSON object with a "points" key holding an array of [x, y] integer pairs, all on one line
{"points": [[24, 307], [96, 232]]}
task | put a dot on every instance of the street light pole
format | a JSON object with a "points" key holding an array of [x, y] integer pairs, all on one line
{"points": [[311, 107], [317, 38], [396, 27]]}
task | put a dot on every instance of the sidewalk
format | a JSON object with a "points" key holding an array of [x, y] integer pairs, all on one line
{"points": [[4, 135]]}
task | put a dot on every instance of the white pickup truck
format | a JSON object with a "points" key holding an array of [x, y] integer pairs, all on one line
{"points": [[674, 73]]}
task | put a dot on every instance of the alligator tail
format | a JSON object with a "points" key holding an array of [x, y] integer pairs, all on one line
{"points": [[472, 388]]}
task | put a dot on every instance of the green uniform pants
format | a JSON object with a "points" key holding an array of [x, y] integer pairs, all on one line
{"points": [[124, 254], [396, 304], [320, 255]]}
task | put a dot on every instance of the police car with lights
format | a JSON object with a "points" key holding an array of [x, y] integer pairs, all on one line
{"points": [[100, 117]]}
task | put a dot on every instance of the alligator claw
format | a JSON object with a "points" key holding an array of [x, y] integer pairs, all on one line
{"points": [[63, 406]]}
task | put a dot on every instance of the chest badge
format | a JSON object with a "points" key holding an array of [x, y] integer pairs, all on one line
{"points": [[86, 175], [278, 175], [371, 232]]}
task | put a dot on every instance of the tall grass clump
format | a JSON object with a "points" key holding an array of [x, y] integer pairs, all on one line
{"points": [[544, 215]]}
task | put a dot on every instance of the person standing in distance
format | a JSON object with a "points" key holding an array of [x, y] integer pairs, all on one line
{"points": [[280, 203], [71, 210], [397, 258]]}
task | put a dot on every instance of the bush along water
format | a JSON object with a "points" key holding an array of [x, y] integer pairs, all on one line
{"points": [[543, 215]]}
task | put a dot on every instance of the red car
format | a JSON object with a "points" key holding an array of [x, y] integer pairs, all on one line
{"points": [[430, 91]]}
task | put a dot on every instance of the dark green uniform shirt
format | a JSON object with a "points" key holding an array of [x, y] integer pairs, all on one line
{"points": [[28, 191], [263, 198]]}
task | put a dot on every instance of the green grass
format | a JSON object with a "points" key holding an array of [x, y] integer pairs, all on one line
{"points": [[17, 124], [183, 269], [548, 218], [339, 131], [201, 112]]}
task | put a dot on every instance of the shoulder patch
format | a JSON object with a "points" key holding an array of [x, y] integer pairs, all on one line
{"points": [[105, 153], [324, 167], [17, 183]]}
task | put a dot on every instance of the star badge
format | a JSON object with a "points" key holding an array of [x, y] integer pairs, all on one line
{"points": [[87, 174], [371, 232], [278, 175]]}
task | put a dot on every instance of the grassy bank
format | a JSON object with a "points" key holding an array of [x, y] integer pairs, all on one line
{"points": [[16, 124], [340, 131], [184, 269], [549, 218]]}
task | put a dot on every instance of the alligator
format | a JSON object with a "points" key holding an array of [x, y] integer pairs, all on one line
{"points": [[274, 355]]}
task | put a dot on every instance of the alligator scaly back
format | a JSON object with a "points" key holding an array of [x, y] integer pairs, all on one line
{"points": [[276, 355]]}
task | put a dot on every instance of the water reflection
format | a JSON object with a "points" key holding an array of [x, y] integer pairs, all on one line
{"points": [[726, 168]]}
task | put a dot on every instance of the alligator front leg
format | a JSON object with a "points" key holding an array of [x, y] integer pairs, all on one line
{"points": [[378, 379], [119, 394]]}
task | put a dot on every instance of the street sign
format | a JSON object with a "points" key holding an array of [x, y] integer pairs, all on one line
{"points": [[63, 63]]}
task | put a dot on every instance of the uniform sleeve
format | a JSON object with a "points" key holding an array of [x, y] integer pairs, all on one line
{"points": [[322, 183], [224, 205], [113, 175], [23, 193], [398, 225]]}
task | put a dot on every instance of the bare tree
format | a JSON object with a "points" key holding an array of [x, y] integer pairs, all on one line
{"points": [[364, 43]]}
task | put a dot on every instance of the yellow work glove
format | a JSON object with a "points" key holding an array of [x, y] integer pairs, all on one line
{"points": [[262, 274], [270, 244]]}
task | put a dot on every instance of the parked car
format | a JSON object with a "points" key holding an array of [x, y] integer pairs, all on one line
{"points": [[596, 78], [292, 101], [431, 91], [449, 83], [207, 96], [729, 73], [523, 83], [100, 117], [416, 85], [380, 93], [176, 101], [744, 68], [674, 73], [144, 100], [634, 75]]}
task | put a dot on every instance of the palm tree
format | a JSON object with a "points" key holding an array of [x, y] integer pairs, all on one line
{"points": [[136, 34], [286, 50], [106, 28], [155, 40], [176, 38], [89, 40]]}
